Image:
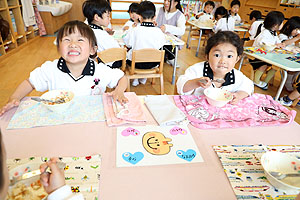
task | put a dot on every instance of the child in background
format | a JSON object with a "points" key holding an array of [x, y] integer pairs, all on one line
{"points": [[234, 9], [224, 22], [98, 15], [255, 21], [289, 34], [74, 70], [223, 51], [288, 100], [53, 183], [134, 17], [272, 23], [144, 36], [207, 13], [170, 19]]}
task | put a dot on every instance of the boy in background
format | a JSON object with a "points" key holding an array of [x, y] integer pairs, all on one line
{"points": [[134, 17], [98, 15], [234, 9], [207, 13], [147, 35]]}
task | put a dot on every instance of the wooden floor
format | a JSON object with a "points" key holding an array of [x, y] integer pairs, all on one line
{"points": [[16, 67]]}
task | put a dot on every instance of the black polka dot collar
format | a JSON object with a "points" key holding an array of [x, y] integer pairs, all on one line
{"points": [[229, 77], [94, 26], [88, 70], [147, 24]]}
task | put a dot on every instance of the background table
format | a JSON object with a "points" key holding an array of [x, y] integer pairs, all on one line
{"points": [[278, 60], [205, 27], [197, 181]]}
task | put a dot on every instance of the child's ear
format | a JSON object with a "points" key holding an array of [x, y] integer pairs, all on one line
{"points": [[93, 50], [237, 59], [96, 17]]}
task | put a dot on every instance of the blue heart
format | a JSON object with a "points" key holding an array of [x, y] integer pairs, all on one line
{"points": [[188, 155], [133, 158]]}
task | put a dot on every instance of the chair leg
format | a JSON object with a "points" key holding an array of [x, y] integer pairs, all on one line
{"points": [[295, 102], [153, 81], [128, 85], [162, 84]]}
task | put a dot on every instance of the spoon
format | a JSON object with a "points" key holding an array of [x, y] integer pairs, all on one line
{"points": [[38, 99], [280, 176], [218, 80]]}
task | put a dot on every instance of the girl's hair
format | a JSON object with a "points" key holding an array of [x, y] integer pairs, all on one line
{"points": [[255, 14], [1, 164], [272, 19], [178, 6], [224, 37], [221, 11], [133, 8], [92, 7], [84, 30], [235, 2], [209, 3], [146, 10], [292, 24]]}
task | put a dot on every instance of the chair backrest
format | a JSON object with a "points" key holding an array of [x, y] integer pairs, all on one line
{"points": [[148, 55], [113, 54]]}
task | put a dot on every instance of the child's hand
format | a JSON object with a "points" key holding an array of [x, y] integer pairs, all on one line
{"points": [[54, 180], [204, 82], [125, 28], [12, 103], [163, 28], [134, 25], [237, 96], [119, 96], [109, 31], [280, 45], [197, 16]]}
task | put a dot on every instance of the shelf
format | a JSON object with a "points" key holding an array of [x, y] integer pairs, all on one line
{"points": [[267, 3], [19, 37], [2, 9]]}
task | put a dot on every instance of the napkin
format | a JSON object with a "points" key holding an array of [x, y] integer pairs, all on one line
{"points": [[164, 111]]}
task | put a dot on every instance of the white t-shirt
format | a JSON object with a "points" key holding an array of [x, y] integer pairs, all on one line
{"points": [[237, 18], [178, 30], [224, 24], [104, 40], [64, 193], [283, 37], [254, 27], [144, 36], [266, 37], [205, 17], [235, 80], [53, 75]]}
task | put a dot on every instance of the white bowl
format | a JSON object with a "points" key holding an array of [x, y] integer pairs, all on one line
{"points": [[283, 163], [217, 97], [52, 94], [36, 191], [269, 47]]}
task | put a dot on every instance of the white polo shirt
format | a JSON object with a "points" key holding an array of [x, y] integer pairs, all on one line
{"points": [[235, 80], [266, 36], [283, 37], [237, 18], [130, 23], [53, 75], [144, 36], [104, 40], [205, 17], [224, 24]]}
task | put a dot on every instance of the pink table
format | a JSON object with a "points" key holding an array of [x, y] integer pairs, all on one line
{"points": [[205, 180]]}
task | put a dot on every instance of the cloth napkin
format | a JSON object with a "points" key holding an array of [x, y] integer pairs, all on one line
{"points": [[164, 111], [134, 112]]}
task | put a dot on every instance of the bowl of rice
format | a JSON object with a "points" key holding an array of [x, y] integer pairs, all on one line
{"points": [[218, 97], [63, 100]]}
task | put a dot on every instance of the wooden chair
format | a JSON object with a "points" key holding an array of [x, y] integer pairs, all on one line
{"points": [[113, 54], [146, 55], [295, 102]]}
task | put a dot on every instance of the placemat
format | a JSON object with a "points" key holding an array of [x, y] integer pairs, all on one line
{"points": [[256, 110], [81, 173], [242, 166], [32, 114]]}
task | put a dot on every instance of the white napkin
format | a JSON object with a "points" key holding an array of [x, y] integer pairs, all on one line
{"points": [[164, 111]]}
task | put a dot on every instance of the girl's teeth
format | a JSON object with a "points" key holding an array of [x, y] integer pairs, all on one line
{"points": [[73, 53]]}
